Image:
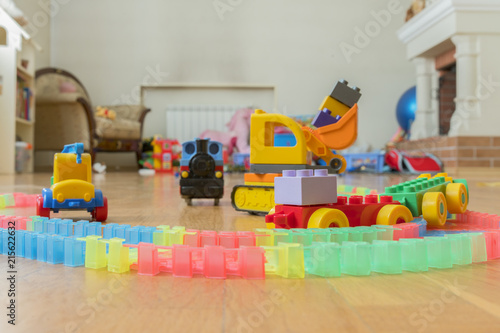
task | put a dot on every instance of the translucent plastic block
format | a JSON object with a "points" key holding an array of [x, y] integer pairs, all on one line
{"points": [[174, 235], [158, 238], [182, 261], [414, 255], [38, 224], [132, 235], [119, 231], [4, 236], [215, 262], [406, 230], [338, 236], [55, 249], [95, 252], [245, 238], [285, 260], [282, 236], [192, 238], [20, 247], [74, 252], [321, 235], [147, 260], [354, 235], [302, 236], [228, 239], [41, 247], [439, 252], [53, 227], [461, 249], [323, 259], [81, 228], [30, 246], [66, 228], [492, 239], [355, 258], [252, 262], [478, 247], [118, 256], [208, 237], [108, 230], [386, 232], [94, 228], [264, 237], [386, 257], [422, 226]]}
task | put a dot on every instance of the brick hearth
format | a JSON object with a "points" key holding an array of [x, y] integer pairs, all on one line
{"points": [[462, 151]]}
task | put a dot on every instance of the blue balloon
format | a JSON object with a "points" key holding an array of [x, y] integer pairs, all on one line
{"points": [[405, 111]]}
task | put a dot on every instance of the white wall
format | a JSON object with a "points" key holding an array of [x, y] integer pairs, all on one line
{"points": [[112, 46]]}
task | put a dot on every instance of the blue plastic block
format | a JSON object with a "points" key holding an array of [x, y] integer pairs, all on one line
{"points": [[132, 235], [5, 241], [52, 227], [355, 258], [30, 247], [20, 234], [94, 228], [386, 257], [41, 247], [108, 230], [81, 228], [1, 240], [120, 230], [74, 252], [38, 224], [66, 228], [435, 233], [146, 234], [55, 249]]}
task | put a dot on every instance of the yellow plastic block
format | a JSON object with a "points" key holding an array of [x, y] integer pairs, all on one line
{"points": [[334, 106], [264, 237], [262, 149], [168, 236], [285, 260], [258, 184], [118, 256], [95, 252]]}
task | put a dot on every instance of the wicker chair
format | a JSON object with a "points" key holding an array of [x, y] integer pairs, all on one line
{"points": [[64, 115]]}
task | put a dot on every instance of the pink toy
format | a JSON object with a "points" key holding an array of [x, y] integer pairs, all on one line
{"points": [[239, 128]]}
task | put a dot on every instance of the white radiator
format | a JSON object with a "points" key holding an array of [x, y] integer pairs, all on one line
{"points": [[186, 122]]}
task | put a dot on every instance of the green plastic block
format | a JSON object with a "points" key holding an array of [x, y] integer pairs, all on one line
{"points": [[410, 193], [285, 260], [321, 235], [264, 237], [385, 232], [461, 249], [478, 247], [386, 257], [355, 258], [282, 236], [338, 235], [118, 256], [7, 200], [439, 252], [322, 259], [414, 255], [95, 252], [302, 236]]}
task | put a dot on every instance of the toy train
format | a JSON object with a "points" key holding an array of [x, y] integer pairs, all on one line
{"points": [[201, 170]]}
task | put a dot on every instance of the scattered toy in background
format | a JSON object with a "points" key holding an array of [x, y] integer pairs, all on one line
{"points": [[267, 160], [413, 162], [202, 170], [166, 153], [99, 168], [11, 200], [71, 186], [237, 136], [105, 113]]}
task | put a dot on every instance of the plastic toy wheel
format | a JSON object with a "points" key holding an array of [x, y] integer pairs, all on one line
{"points": [[434, 208], [336, 164], [326, 217], [456, 198], [101, 213], [40, 210], [393, 214]]}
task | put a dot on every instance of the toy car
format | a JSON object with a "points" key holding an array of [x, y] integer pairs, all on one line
{"points": [[71, 186]]}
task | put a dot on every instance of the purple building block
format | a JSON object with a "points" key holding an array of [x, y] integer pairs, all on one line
{"points": [[303, 187], [324, 118]]}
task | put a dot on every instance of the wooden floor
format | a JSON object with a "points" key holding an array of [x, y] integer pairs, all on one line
{"points": [[55, 298]]}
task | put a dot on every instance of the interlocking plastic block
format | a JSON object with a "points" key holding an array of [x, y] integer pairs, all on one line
{"points": [[251, 263], [81, 228], [478, 247], [227, 239], [119, 231], [66, 228], [74, 252], [208, 237], [132, 235], [471, 219], [214, 266], [302, 236], [30, 246], [386, 257], [24, 200], [461, 249], [55, 249], [264, 237], [414, 255], [324, 118], [7, 200], [305, 187], [492, 240], [95, 252], [118, 256], [323, 259], [355, 258], [4, 235], [285, 260], [439, 252], [337, 235], [386, 232], [345, 94], [52, 227], [406, 230], [108, 231], [20, 246], [94, 229], [321, 235], [41, 247], [422, 226], [146, 234]]}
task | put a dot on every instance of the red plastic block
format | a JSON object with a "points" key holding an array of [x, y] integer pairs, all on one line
{"points": [[405, 230]]}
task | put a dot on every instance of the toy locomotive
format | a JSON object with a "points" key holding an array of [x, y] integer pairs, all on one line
{"points": [[202, 170]]}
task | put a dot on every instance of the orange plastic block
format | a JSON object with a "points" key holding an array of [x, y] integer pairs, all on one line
{"points": [[261, 178]]}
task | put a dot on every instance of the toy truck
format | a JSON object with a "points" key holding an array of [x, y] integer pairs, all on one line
{"points": [[71, 186], [310, 201], [336, 128]]}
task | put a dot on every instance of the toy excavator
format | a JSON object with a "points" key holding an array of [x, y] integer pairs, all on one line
{"points": [[336, 128]]}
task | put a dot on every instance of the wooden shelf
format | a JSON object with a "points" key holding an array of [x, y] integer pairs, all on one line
{"points": [[24, 73], [24, 121]]}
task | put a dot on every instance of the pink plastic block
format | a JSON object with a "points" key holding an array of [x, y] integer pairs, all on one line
{"points": [[147, 259], [252, 262], [405, 230], [192, 238], [24, 200], [305, 187], [215, 262], [246, 238], [182, 261], [208, 237], [492, 238], [228, 239]]}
